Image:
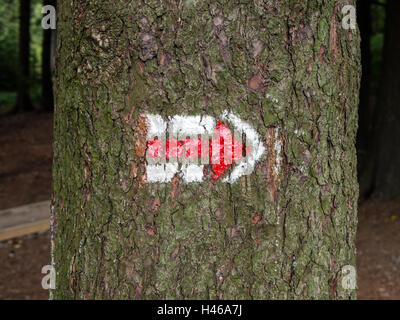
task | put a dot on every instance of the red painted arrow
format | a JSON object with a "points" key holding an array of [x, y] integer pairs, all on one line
{"points": [[191, 148]]}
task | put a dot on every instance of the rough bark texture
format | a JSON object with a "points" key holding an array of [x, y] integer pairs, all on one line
{"points": [[286, 230], [381, 178], [23, 98]]}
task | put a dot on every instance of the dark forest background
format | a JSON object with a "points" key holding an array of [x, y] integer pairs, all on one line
{"points": [[26, 106], [25, 54]]}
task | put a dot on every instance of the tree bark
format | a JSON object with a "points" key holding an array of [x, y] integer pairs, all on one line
{"points": [[284, 231], [23, 99]]}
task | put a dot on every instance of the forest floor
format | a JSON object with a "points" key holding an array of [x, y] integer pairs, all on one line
{"points": [[25, 177]]}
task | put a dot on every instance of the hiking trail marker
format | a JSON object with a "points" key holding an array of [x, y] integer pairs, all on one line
{"points": [[185, 144]]}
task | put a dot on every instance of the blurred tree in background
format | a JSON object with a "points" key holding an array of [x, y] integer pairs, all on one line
{"points": [[9, 52], [381, 176], [8, 45], [371, 21], [23, 99], [47, 83]]}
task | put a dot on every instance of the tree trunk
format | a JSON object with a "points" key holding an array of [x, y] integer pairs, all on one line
{"points": [[287, 69], [23, 99], [383, 174], [47, 81]]}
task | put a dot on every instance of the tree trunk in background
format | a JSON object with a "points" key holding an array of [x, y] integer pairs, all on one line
{"points": [[23, 99], [47, 82], [284, 231], [385, 182], [365, 116]]}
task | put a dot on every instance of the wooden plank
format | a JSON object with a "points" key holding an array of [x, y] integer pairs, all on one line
{"points": [[24, 230], [23, 220]]}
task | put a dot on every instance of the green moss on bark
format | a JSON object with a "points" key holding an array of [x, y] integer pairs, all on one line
{"points": [[276, 65]]}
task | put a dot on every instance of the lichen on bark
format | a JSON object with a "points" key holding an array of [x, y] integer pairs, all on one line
{"points": [[286, 230]]}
